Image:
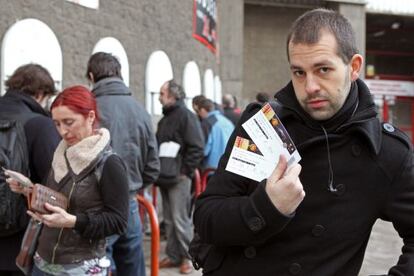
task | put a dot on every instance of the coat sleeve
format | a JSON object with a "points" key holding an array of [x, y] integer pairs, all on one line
{"points": [[151, 161], [234, 210], [400, 211], [193, 142], [113, 219], [42, 139]]}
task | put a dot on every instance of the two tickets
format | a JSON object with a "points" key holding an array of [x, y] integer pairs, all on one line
{"points": [[257, 158]]}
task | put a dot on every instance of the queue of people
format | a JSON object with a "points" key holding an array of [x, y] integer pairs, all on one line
{"points": [[98, 148]]}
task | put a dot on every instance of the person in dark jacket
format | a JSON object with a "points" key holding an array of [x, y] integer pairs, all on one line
{"points": [[28, 91], [84, 168], [355, 170], [179, 129], [134, 140], [229, 108]]}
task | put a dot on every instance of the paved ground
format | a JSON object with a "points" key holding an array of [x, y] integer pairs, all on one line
{"points": [[383, 250]]}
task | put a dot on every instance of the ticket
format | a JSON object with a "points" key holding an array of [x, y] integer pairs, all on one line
{"points": [[247, 160], [268, 133]]}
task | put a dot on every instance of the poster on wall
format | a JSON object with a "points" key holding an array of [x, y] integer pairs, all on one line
{"points": [[205, 23]]}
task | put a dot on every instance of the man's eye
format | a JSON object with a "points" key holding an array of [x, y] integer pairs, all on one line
{"points": [[298, 73], [324, 70]]}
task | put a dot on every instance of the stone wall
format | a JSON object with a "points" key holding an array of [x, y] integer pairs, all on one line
{"points": [[141, 26]]}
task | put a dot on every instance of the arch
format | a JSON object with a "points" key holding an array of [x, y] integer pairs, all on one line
{"points": [[31, 41], [158, 71], [113, 46], [209, 84], [191, 82], [217, 90]]}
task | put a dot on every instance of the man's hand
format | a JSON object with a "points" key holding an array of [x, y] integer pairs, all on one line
{"points": [[284, 187]]}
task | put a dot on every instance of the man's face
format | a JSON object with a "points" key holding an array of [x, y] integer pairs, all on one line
{"points": [[165, 98], [201, 112], [320, 77]]}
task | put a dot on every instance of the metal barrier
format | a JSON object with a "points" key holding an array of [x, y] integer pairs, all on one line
{"points": [[204, 178], [155, 233], [197, 183]]}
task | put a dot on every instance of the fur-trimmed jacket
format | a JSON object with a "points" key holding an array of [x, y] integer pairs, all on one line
{"points": [[94, 180]]}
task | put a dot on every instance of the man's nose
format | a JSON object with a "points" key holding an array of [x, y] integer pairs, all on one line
{"points": [[312, 84]]}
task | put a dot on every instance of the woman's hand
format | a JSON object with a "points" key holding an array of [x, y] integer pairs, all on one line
{"points": [[16, 187], [59, 218]]}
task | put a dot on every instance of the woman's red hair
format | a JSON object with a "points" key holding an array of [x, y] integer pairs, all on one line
{"points": [[78, 99]]}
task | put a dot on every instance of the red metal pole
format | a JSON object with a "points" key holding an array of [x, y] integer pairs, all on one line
{"points": [[204, 178], [385, 110], [155, 234]]}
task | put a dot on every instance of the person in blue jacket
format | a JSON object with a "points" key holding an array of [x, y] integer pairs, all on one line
{"points": [[216, 129]]}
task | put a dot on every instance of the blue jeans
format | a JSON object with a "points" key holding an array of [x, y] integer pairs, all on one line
{"points": [[126, 251]]}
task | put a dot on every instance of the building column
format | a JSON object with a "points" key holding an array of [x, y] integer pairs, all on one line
{"points": [[354, 10], [231, 24]]}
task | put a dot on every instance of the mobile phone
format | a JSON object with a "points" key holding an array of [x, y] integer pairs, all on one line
{"points": [[16, 176]]}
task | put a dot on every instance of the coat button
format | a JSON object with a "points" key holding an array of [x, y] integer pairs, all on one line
{"points": [[388, 127], [318, 230], [295, 268], [255, 224], [356, 150], [250, 252]]}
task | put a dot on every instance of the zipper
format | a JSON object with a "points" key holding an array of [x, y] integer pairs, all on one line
{"points": [[61, 229]]}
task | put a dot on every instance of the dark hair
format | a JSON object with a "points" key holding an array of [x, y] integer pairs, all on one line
{"points": [[202, 102], [78, 99], [103, 65], [307, 29], [175, 90], [31, 79], [262, 97]]}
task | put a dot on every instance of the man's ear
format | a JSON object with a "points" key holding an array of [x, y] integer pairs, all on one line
{"points": [[91, 78], [356, 66]]}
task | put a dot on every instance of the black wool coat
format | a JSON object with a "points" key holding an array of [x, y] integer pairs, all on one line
{"points": [[42, 139], [373, 174]]}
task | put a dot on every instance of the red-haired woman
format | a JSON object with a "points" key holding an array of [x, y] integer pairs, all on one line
{"points": [[93, 178]]}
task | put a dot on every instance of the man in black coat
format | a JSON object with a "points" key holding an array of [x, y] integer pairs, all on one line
{"points": [[28, 91], [181, 151], [314, 218]]}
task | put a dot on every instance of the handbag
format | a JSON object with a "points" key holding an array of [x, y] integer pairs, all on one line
{"points": [[24, 259], [42, 194]]}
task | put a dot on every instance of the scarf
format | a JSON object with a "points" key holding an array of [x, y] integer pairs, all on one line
{"points": [[79, 155]]}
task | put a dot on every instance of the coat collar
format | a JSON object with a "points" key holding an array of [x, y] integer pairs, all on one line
{"points": [[363, 121], [28, 101], [79, 156]]}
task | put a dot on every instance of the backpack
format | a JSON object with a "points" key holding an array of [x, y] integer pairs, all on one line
{"points": [[14, 156]]}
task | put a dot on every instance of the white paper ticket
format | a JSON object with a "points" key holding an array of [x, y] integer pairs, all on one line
{"points": [[246, 160], [268, 133]]}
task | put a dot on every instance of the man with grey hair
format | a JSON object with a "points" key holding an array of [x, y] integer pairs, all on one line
{"points": [[181, 151], [314, 218], [229, 108]]}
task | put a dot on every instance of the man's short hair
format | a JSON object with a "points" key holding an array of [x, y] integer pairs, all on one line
{"points": [[32, 79], [228, 101], [308, 27], [103, 65], [202, 102], [175, 90]]}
